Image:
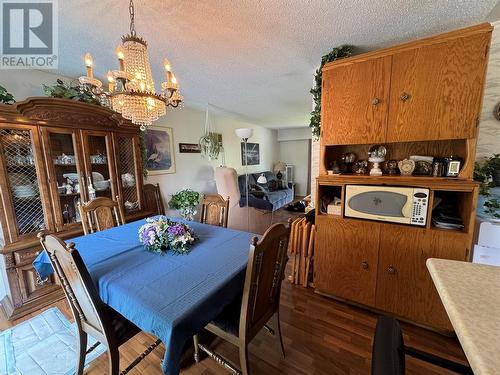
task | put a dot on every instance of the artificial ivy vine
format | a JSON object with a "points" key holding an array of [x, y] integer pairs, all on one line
{"points": [[335, 54], [5, 96]]}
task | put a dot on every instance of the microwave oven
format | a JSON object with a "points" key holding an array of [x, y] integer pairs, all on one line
{"points": [[405, 205]]}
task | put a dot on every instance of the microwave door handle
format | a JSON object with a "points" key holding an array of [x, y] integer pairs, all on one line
{"points": [[407, 209]]}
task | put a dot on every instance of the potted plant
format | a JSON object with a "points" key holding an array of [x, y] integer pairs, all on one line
{"points": [[187, 202], [493, 166], [482, 174]]}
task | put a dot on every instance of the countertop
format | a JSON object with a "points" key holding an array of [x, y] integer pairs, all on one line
{"points": [[471, 296]]}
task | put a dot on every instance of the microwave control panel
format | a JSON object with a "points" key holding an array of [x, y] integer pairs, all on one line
{"points": [[420, 205]]}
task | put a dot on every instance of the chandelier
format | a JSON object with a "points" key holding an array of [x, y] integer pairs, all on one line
{"points": [[131, 89]]}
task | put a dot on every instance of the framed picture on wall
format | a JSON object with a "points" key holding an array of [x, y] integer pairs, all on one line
{"points": [[189, 148], [160, 155], [252, 154]]}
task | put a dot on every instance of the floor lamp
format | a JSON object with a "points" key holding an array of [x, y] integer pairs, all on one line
{"points": [[244, 134]]}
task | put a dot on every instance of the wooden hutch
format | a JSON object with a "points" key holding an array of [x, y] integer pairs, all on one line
{"points": [[419, 98], [46, 144]]}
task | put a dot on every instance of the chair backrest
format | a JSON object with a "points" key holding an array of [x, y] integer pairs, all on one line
{"points": [[88, 309], [101, 213], [152, 199], [388, 355], [264, 274], [215, 210]]}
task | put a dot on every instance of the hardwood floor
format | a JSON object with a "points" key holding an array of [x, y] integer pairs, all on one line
{"points": [[322, 337]]}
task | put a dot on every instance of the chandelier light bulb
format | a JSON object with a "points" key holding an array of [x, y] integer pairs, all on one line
{"points": [[89, 63], [167, 66]]}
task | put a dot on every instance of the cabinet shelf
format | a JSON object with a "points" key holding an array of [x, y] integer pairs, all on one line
{"points": [[436, 183]]}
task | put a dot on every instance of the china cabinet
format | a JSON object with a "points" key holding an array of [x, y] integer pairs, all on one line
{"points": [[418, 98], [54, 154]]}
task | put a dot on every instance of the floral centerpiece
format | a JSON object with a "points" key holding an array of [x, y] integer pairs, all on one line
{"points": [[187, 202], [160, 235]]}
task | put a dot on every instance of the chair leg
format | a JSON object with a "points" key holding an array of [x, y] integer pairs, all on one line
{"points": [[196, 341], [82, 349], [244, 363], [114, 361], [279, 334]]}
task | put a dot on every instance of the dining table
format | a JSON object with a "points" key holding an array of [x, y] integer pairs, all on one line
{"points": [[169, 296]]}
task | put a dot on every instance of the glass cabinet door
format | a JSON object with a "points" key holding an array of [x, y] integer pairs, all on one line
{"points": [[127, 151], [65, 174], [24, 193], [99, 163]]}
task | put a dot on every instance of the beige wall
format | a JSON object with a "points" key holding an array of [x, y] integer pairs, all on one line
{"points": [[489, 128], [295, 152], [192, 171]]}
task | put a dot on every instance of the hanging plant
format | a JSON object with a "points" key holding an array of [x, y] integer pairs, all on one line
{"points": [[5, 96], [210, 143], [71, 91], [335, 54]]}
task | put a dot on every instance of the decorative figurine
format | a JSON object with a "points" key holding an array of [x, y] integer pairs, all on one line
{"points": [[376, 155], [348, 160], [391, 167], [406, 167], [422, 168], [360, 167], [335, 167]]}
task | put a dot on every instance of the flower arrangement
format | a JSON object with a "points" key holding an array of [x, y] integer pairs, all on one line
{"points": [[160, 235], [187, 202]]}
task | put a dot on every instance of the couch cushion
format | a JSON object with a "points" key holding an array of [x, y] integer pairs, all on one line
{"points": [[241, 182]]}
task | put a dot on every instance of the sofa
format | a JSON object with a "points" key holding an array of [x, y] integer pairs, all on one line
{"points": [[270, 196]]}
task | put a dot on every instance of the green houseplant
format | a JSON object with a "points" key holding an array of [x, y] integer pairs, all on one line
{"points": [[493, 166], [482, 174], [187, 202]]}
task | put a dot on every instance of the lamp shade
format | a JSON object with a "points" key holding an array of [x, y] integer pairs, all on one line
{"points": [[279, 167], [244, 133], [262, 179]]}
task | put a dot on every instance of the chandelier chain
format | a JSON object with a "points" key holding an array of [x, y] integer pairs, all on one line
{"points": [[132, 18]]}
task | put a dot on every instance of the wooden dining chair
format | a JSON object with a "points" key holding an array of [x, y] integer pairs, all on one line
{"points": [[240, 322], [389, 351], [91, 315], [215, 210], [101, 213], [153, 201]]}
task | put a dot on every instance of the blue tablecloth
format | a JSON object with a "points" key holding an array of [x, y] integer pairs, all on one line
{"points": [[171, 296]]}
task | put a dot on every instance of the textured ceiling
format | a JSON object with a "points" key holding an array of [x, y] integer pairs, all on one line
{"points": [[251, 58]]}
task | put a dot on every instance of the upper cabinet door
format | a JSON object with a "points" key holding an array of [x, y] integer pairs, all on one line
{"points": [[354, 102], [129, 176], [65, 171], [23, 188], [99, 163], [436, 90]]}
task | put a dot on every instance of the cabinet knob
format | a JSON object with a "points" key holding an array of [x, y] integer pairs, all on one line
{"points": [[376, 101], [404, 96], [391, 270], [364, 265]]}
